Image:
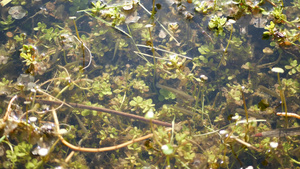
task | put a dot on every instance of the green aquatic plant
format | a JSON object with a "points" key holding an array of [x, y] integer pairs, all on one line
{"points": [[118, 80], [217, 24], [20, 38], [29, 53], [5, 82], [110, 15], [140, 104], [172, 146], [203, 6], [139, 85], [293, 67], [46, 34], [18, 2], [292, 87], [110, 132], [165, 94], [21, 156], [143, 70], [271, 30], [102, 87], [278, 15], [178, 93], [36, 62], [296, 3], [284, 37], [97, 7], [7, 23], [223, 59]]}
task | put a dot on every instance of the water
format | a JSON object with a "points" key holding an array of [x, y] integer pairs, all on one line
{"points": [[118, 58]]}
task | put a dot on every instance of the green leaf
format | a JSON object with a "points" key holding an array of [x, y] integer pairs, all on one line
{"points": [[85, 112], [294, 63], [288, 67], [298, 68]]}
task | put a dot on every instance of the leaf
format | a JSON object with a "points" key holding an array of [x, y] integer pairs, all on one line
{"points": [[288, 67], [132, 103], [298, 68], [277, 70], [85, 112], [24, 56], [294, 63]]}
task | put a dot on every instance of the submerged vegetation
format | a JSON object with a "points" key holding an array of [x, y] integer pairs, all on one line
{"points": [[149, 84]]}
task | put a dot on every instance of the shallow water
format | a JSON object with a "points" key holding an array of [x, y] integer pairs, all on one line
{"points": [[117, 56]]}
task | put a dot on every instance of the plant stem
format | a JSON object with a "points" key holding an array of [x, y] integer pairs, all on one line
{"points": [[225, 51], [82, 46], [246, 112], [283, 101]]}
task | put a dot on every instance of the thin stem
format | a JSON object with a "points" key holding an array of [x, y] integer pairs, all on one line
{"points": [[140, 55], [82, 45], [153, 8], [156, 48], [153, 54], [225, 51], [154, 135], [165, 29], [246, 113], [283, 101]]}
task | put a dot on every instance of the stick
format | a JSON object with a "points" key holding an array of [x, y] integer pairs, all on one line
{"points": [[9, 108], [99, 109], [288, 114], [95, 150]]}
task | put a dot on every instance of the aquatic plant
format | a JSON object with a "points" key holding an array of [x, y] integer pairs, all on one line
{"points": [[7, 23], [293, 67], [138, 103], [147, 64], [217, 23]]}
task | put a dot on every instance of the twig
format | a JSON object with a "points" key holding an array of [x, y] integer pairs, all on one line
{"points": [[99, 109], [245, 143], [288, 114], [156, 48], [95, 150], [9, 108], [272, 3], [59, 101], [69, 156]]}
